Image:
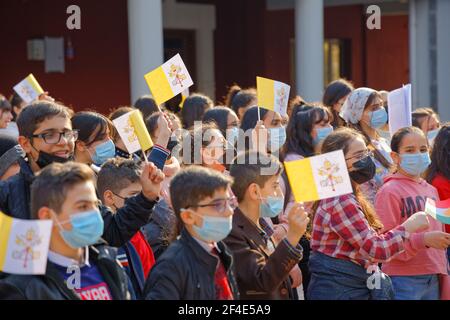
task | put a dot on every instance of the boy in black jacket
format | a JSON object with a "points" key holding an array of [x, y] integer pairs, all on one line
{"points": [[76, 269], [198, 265]]}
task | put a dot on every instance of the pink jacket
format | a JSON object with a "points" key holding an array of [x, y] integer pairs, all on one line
{"points": [[398, 199]]}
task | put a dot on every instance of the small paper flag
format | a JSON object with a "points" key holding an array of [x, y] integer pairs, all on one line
{"points": [[319, 177], [272, 95], [168, 80], [24, 245], [28, 89], [439, 210], [133, 132]]}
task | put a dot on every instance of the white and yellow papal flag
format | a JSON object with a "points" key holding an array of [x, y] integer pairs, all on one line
{"points": [[272, 95], [24, 245], [168, 80], [133, 132], [319, 177], [28, 89]]}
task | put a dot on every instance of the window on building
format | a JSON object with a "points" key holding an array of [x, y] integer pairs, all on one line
{"points": [[337, 60]]}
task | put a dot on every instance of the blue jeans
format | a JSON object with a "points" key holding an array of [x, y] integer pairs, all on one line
{"points": [[338, 279], [423, 287]]}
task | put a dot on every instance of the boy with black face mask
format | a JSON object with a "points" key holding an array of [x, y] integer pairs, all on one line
{"points": [[46, 136]]}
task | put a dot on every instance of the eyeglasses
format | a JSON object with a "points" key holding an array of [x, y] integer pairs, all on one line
{"points": [[367, 153], [54, 137], [220, 205]]}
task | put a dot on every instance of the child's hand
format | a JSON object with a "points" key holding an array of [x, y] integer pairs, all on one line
{"points": [[151, 179], [417, 222], [46, 97], [298, 221], [437, 239], [164, 130], [171, 167], [259, 137]]}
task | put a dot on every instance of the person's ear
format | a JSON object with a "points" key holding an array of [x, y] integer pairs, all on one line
{"points": [[25, 143], [16, 110], [253, 192], [395, 158], [80, 146], [44, 213], [108, 198], [187, 217]]}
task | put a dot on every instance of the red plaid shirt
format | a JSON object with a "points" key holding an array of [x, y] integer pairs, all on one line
{"points": [[340, 230]]}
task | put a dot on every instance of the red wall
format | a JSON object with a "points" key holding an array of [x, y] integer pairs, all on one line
{"points": [[253, 41], [387, 54], [98, 77]]}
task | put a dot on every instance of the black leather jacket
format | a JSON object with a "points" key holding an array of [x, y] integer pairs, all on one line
{"points": [[185, 271], [51, 286]]}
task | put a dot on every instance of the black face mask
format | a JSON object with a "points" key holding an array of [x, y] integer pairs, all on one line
{"points": [[365, 170], [45, 159]]}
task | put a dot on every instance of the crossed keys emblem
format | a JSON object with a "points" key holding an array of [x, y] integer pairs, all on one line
{"points": [[175, 72], [28, 241], [328, 170]]}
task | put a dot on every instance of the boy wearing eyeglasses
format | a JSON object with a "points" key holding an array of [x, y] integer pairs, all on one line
{"points": [[197, 266], [263, 266], [46, 136]]}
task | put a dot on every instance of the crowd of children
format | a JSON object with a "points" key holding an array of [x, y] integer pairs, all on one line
{"points": [[208, 212]]}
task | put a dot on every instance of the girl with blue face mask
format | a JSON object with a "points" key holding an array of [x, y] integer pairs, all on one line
{"points": [[416, 273], [364, 112], [94, 144], [427, 120]]}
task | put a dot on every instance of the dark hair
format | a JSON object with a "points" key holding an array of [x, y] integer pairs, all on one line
{"points": [[92, 126], [418, 116], [247, 168], [152, 123], [334, 92], [116, 113], [117, 174], [400, 134], [15, 101], [218, 115], [192, 185], [250, 117], [238, 98], [357, 126], [50, 187], [295, 104], [34, 114], [147, 105], [194, 107], [340, 139], [248, 122], [440, 154], [299, 129], [4, 104]]}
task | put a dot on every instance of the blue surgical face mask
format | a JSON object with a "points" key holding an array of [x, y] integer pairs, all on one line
{"points": [[415, 164], [87, 228], [214, 229], [431, 135], [277, 137], [270, 207], [103, 152], [322, 133], [378, 118]]}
